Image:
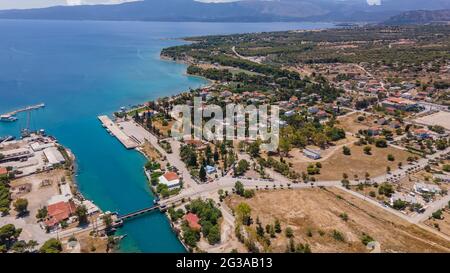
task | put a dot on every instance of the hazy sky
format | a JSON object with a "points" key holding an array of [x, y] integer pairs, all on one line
{"points": [[20, 4]]}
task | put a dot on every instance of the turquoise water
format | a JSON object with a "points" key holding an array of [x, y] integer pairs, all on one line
{"points": [[84, 69]]}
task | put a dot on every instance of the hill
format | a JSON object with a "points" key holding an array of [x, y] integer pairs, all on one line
{"points": [[420, 17]]}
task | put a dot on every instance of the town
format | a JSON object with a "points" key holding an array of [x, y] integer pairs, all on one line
{"points": [[362, 133]]}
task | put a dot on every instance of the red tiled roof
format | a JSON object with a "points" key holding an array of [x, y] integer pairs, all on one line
{"points": [[170, 176], [59, 212], [192, 220], [3, 171]]}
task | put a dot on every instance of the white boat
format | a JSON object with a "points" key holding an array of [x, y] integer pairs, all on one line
{"points": [[7, 118]]}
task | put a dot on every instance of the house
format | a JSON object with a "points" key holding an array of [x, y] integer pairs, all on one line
{"points": [[170, 179], [400, 103], [422, 133], [321, 114], [193, 221], [374, 131], [289, 113], [403, 197], [3, 171], [59, 212], [311, 154], [313, 110], [426, 188]]}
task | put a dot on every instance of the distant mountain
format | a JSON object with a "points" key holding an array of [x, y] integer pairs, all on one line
{"points": [[420, 17], [242, 11]]}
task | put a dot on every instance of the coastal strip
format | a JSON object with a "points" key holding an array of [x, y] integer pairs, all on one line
{"points": [[115, 130]]}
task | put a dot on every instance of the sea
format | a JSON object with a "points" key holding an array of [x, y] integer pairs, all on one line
{"points": [[82, 69]]}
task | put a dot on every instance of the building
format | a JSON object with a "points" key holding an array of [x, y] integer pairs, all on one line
{"points": [[403, 197], [16, 154], [193, 221], [426, 188], [422, 133], [400, 104], [38, 146], [311, 154], [54, 156], [3, 171], [442, 177], [170, 179], [59, 212]]}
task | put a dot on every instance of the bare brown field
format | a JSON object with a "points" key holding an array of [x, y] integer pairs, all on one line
{"points": [[358, 163], [442, 225], [314, 214]]}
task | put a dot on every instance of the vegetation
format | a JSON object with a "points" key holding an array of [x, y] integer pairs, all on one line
{"points": [[51, 246], [21, 206]]}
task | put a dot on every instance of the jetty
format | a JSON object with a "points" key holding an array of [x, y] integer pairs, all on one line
{"points": [[115, 130], [10, 115]]}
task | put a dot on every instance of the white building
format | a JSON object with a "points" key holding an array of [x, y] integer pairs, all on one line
{"points": [[170, 179], [54, 156], [426, 188]]}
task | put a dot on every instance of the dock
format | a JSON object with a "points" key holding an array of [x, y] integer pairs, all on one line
{"points": [[115, 130], [25, 109]]}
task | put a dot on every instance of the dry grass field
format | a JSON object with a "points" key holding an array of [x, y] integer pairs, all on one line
{"points": [[314, 214], [358, 163]]}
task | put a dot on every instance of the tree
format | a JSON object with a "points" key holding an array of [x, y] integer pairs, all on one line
{"points": [[259, 228], [202, 174], [239, 188], [277, 226], [390, 157], [216, 155], [42, 213], [253, 149], [51, 246], [437, 214], [243, 212], [381, 143], [289, 232], [8, 236], [107, 220], [346, 150], [242, 167], [81, 213], [368, 150], [285, 146], [21, 206], [214, 235]]}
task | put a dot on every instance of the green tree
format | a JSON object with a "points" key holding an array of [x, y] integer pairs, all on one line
{"points": [[82, 214], [289, 232], [21, 206], [253, 149], [368, 150], [51, 246], [202, 174], [239, 188], [242, 167], [243, 211], [346, 150], [277, 226]]}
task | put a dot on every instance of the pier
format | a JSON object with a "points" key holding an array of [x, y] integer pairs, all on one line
{"points": [[10, 115], [115, 130]]}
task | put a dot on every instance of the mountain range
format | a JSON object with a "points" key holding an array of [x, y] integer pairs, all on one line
{"points": [[241, 11], [420, 17]]}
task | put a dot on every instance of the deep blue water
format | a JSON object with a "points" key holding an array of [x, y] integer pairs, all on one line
{"points": [[83, 69]]}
